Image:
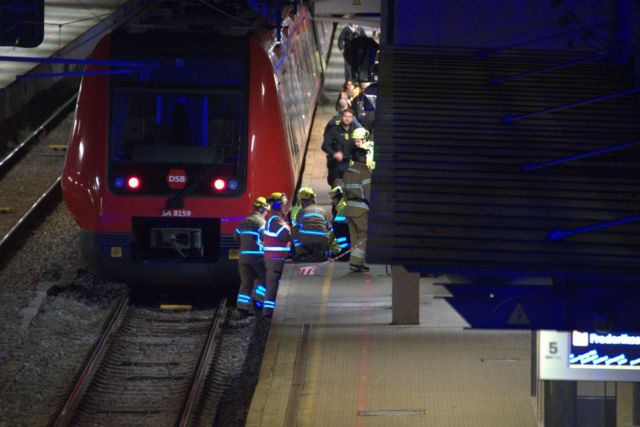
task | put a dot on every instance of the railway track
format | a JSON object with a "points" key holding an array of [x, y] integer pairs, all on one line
{"points": [[151, 368], [30, 175]]}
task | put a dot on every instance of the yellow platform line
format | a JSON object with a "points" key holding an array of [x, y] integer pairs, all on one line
{"points": [[58, 147], [175, 307], [5, 210], [312, 377]]}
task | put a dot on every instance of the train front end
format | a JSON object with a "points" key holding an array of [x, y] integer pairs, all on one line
{"points": [[162, 162]]}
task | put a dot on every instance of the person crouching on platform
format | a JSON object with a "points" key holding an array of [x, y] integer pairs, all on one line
{"points": [[357, 190], [311, 232], [251, 258], [277, 246]]}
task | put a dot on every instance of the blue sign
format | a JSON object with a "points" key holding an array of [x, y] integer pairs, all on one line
{"points": [[611, 351]]}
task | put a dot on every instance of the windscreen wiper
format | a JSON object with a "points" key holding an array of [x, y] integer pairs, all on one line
{"points": [[177, 200]]}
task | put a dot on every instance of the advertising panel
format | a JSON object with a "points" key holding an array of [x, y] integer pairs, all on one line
{"points": [[589, 356]]}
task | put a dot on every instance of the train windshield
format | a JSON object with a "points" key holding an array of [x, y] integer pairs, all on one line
{"points": [[176, 128]]}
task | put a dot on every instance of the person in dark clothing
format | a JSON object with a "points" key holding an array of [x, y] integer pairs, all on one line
{"points": [[361, 47], [338, 143], [344, 43], [341, 106]]}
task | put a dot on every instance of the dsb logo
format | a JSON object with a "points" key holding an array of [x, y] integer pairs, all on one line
{"points": [[177, 179]]}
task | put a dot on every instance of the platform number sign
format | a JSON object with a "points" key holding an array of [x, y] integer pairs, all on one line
{"points": [[553, 347]]}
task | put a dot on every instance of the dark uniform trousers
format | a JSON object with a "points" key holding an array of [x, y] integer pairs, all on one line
{"points": [[249, 273], [336, 170], [277, 245], [358, 234], [274, 273]]}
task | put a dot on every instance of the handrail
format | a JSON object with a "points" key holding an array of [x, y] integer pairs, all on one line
{"points": [[487, 52], [529, 167], [559, 235], [495, 80], [511, 119]]}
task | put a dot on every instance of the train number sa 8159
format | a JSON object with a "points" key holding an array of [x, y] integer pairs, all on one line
{"points": [[176, 213]]}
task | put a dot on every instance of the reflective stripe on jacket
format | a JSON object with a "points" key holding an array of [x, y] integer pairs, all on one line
{"points": [[249, 235], [277, 238], [312, 220], [357, 190]]}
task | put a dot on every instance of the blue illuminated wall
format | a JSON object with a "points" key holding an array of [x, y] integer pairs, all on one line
{"points": [[488, 23]]}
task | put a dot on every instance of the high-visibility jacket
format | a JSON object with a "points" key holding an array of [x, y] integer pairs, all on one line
{"points": [[371, 164], [312, 220], [340, 216], [277, 238], [294, 213], [357, 190], [249, 235]]}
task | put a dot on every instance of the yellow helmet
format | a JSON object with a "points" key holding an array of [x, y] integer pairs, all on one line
{"points": [[360, 133], [276, 199], [306, 193], [335, 192], [261, 202]]}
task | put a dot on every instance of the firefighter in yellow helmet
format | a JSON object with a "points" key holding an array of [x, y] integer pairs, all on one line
{"points": [[357, 190], [277, 246], [311, 232], [360, 139], [251, 258]]}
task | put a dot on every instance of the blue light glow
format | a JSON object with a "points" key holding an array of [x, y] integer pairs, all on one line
{"points": [[119, 182], [158, 110], [251, 253], [319, 233], [341, 239], [340, 218], [233, 185]]}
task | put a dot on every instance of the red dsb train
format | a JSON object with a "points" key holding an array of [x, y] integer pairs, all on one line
{"points": [[163, 163]]}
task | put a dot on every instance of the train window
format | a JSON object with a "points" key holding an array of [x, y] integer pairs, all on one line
{"points": [[174, 128]]}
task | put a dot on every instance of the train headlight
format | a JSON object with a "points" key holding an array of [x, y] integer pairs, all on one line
{"points": [[134, 182], [219, 184]]}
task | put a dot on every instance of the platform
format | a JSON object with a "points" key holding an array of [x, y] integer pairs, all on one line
{"points": [[333, 359]]}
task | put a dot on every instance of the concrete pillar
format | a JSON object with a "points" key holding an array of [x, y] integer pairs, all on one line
{"points": [[619, 28], [560, 403], [388, 23], [636, 404], [405, 295]]}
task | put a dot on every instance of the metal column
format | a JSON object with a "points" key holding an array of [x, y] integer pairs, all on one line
{"points": [[405, 295], [560, 403]]}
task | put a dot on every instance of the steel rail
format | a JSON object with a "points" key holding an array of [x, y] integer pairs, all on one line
{"points": [[21, 149], [37, 207], [87, 374], [205, 360]]}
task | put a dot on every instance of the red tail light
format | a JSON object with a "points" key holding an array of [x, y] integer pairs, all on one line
{"points": [[134, 182], [219, 184]]}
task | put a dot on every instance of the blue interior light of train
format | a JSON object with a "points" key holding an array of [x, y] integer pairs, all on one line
{"points": [[179, 62], [119, 182], [182, 99], [158, 110], [233, 185], [205, 120]]}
